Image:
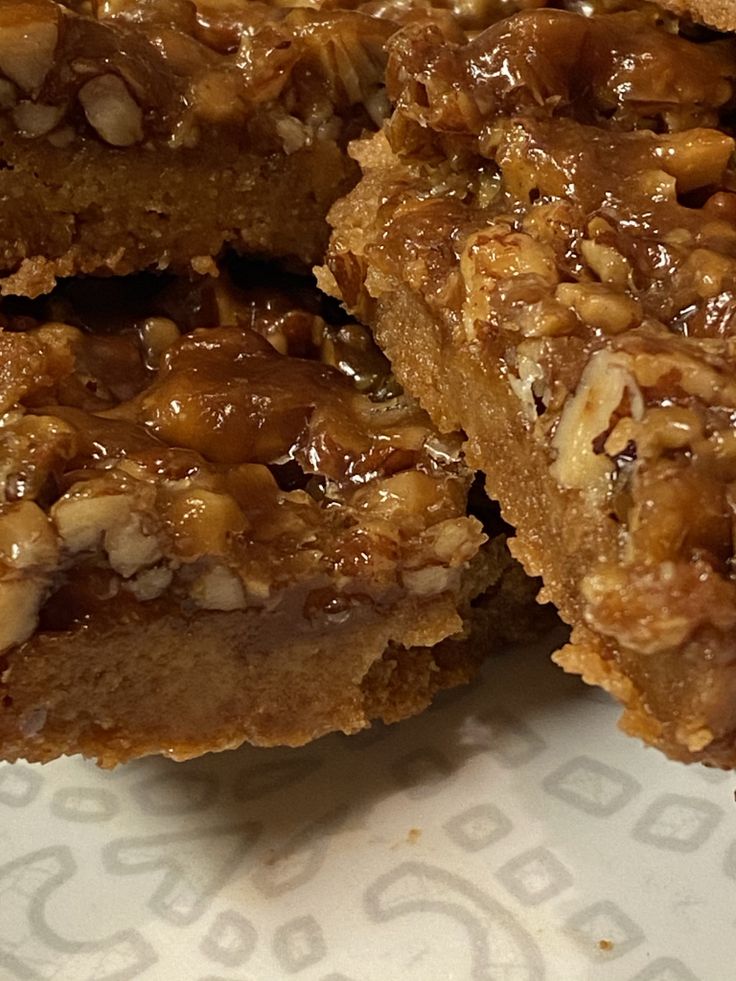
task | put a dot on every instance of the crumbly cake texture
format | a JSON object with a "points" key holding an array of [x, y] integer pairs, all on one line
{"points": [[544, 241], [153, 134], [715, 13], [158, 681], [218, 534]]}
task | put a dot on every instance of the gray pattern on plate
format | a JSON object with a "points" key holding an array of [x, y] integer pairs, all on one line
{"points": [[510, 833]]}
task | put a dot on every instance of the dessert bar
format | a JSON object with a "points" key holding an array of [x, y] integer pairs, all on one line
{"points": [[544, 242], [223, 521], [138, 134]]}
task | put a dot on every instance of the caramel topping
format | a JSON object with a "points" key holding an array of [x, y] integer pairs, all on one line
{"points": [[221, 394], [619, 71]]}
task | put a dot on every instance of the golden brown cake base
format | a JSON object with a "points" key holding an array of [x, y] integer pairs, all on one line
{"points": [[154, 681], [158, 209]]}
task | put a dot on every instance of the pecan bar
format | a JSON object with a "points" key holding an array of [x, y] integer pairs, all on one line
{"points": [[230, 526], [545, 243], [141, 133]]}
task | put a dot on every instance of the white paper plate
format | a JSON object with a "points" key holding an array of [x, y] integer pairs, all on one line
{"points": [[509, 834]]}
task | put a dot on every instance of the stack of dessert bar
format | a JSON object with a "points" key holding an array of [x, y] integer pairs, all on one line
{"points": [[234, 509]]}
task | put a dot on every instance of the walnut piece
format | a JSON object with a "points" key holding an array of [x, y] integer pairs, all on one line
{"points": [[29, 554], [111, 110]]}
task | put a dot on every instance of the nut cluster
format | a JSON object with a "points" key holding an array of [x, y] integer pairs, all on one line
{"points": [[136, 73], [610, 290]]}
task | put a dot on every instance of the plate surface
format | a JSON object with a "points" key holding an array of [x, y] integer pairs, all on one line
{"points": [[509, 834]]}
